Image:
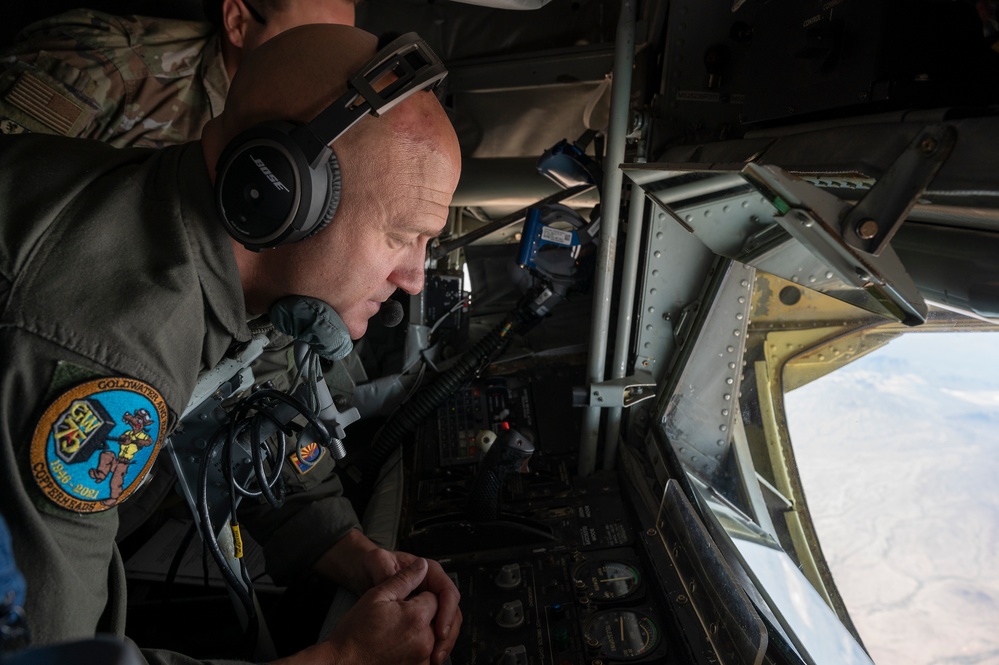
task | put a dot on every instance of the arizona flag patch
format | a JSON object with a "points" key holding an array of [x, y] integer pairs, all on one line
{"points": [[95, 444], [307, 457]]}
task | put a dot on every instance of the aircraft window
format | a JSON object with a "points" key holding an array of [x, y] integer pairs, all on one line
{"points": [[743, 463], [897, 453]]}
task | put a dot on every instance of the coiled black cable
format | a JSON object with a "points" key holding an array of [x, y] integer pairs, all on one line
{"points": [[211, 542], [243, 429]]}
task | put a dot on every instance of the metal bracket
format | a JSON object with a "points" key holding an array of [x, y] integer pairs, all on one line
{"points": [[796, 229], [618, 393], [870, 225], [812, 217], [228, 367]]}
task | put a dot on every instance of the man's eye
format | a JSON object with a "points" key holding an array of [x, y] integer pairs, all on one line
{"points": [[401, 241]]}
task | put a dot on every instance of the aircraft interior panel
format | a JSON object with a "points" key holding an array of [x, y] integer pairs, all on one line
{"points": [[788, 174]]}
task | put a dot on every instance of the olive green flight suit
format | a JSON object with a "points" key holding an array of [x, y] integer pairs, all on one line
{"points": [[113, 264]]}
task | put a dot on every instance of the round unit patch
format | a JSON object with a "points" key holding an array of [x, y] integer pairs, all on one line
{"points": [[96, 442]]}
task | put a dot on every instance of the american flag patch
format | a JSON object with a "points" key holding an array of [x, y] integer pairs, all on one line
{"points": [[47, 105]]}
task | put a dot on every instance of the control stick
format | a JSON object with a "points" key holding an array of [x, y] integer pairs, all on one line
{"points": [[510, 452]]}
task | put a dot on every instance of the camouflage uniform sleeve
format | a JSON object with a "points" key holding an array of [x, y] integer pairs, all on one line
{"points": [[59, 77], [123, 80]]}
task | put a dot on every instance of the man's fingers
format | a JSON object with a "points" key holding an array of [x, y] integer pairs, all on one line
{"points": [[443, 647], [447, 613], [382, 564], [425, 604], [399, 586], [448, 597]]}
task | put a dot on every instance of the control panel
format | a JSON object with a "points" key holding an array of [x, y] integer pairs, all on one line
{"points": [[482, 406], [567, 571]]}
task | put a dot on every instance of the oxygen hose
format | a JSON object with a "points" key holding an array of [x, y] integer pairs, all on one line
{"points": [[412, 413]]}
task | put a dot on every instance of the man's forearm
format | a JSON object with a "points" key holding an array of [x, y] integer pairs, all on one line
{"points": [[343, 563]]}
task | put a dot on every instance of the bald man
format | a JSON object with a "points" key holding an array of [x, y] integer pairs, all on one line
{"points": [[136, 80], [118, 285]]}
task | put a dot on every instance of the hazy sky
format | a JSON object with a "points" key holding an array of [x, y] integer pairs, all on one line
{"points": [[899, 458]]}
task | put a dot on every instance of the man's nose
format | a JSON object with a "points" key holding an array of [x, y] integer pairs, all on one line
{"points": [[409, 274]]}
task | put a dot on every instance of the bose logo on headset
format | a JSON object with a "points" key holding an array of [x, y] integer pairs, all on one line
{"points": [[256, 206], [267, 172]]}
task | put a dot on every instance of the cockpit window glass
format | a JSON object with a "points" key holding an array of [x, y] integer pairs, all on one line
{"points": [[795, 340], [898, 455]]}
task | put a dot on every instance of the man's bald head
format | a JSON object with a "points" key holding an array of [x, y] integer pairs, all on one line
{"points": [[399, 171]]}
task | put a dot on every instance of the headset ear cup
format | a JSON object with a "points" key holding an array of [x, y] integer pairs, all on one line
{"points": [[334, 189], [264, 188]]}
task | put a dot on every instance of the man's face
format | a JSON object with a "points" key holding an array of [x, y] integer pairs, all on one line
{"points": [[294, 14], [394, 203]]}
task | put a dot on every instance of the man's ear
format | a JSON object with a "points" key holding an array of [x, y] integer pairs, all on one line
{"points": [[235, 19]]}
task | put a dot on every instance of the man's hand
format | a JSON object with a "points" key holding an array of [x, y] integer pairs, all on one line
{"points": [[380, 563], [359, 564], [388, 625]]}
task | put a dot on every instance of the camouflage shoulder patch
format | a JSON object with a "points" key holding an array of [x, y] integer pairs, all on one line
{"points": [[96, 442], [307, 457]]}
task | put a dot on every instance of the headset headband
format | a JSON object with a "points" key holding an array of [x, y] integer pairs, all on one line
{"points": [[279, 182], [407, 57]]}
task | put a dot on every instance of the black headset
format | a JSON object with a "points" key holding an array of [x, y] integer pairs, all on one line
{"points": [[279, 182]]}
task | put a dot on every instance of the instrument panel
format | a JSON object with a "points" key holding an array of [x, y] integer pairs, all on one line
{"points": [[573, 570]]}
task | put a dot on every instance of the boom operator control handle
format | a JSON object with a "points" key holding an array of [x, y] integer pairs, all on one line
{"points": [[510, 452]]}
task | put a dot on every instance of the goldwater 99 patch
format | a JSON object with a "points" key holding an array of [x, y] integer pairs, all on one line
{"points": [[96, 442]]}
